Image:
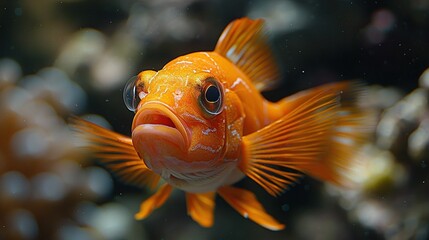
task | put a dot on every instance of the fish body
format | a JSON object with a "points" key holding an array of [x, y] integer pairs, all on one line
{"points": [[208, 154], [201, 125]]}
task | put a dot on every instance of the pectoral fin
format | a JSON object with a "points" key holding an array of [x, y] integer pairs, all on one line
{"points": [[318, 136], [154, 202], [117, 153], [248, 206], [200, 207]]}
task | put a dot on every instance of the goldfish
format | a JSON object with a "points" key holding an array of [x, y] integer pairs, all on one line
{"points": [[201, 125]]}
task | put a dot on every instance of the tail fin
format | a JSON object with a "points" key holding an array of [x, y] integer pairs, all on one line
{"points": [[319, 135]]}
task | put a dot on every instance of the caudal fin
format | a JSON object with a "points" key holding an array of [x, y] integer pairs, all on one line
{"points": [[319, 135]]}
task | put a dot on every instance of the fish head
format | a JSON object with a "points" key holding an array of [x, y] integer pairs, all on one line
{"points": [[179, 127]]}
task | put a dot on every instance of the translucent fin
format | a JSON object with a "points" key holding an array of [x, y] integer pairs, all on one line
{"points": [[200, 207], [117, 153], [244, 43], [319, 135], [153, 202], [248, 206]]}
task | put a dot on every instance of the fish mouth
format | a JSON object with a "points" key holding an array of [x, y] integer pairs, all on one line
{"points": [[157, 120]]}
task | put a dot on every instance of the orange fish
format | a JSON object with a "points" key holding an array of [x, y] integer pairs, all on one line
{"points": [[201, 125]]}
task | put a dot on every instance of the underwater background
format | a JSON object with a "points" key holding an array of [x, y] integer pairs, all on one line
{"points": [[73, 57]]}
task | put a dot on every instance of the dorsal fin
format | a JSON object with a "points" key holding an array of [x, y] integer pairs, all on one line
{"points": [[244, 43]]}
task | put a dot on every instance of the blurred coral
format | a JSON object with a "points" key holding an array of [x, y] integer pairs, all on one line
{"points": [[42, 183]]}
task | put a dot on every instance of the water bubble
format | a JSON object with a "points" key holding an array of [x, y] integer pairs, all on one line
{"points": [[48, 186]]}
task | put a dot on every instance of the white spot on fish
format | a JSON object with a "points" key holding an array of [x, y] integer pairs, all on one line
{"points": [[163, 92], [184, 62], [178, 94], [212, 60], [194, 117], [206, 148], [142, 95], [235, 133], [153, 77], [209, 130], [240, 81]]}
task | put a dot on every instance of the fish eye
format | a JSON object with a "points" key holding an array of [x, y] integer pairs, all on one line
{"points": [[211, 97], [212, 94], [130, 94]]}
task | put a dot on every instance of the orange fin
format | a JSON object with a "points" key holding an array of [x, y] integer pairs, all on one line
{"points": [[248, 206], [117, 153], [319, 135], [244, 43], [153, 202], [200, 207]]}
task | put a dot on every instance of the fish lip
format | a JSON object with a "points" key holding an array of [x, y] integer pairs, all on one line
{"points": [[143, 118]]}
